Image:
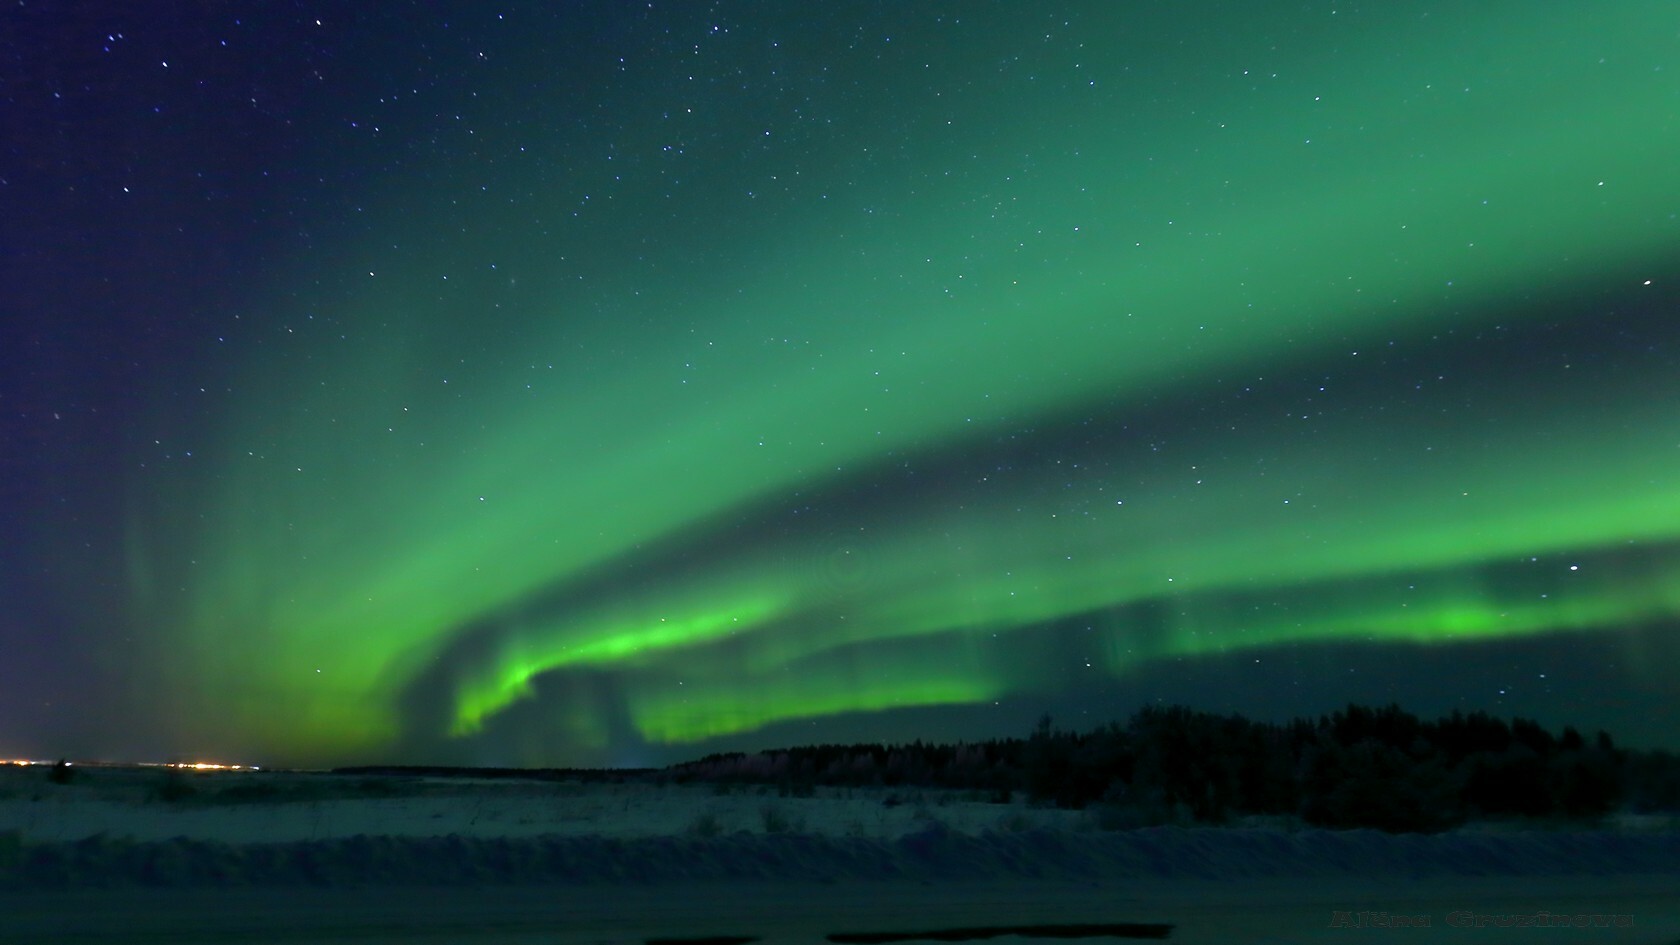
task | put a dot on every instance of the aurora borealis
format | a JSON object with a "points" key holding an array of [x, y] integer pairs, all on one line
{"points": [[605, 384]]}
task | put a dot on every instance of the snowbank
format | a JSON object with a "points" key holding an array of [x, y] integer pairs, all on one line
{"points": [[935, 853], [111, 829]]}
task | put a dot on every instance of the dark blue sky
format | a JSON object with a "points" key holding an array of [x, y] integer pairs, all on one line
{"points": [[607, 383]]}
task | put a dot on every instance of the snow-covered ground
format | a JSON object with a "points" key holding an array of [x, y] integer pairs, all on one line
{"points": [[1201, 912], [285, 806], [297, 858]]}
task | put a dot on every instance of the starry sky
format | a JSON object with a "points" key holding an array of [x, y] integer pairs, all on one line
{"points": [[609, 383]]}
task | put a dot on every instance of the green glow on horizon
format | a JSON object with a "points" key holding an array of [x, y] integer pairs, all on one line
{"points": [[379, 504], [726, 708]]}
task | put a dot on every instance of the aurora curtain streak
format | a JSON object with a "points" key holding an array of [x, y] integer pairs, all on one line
{"points": [[1021, 360]]}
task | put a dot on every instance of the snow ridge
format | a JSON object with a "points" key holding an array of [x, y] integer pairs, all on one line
{"points": [[933, 853]]}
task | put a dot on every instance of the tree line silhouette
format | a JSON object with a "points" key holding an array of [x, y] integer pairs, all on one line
{"points": [[1359, 767]]}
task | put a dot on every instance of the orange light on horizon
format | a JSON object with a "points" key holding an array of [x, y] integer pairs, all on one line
{"points": [[192, 765], [210, 766]]}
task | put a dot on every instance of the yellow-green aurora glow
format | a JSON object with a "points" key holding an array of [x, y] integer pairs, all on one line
{"points": [[904, 359]]}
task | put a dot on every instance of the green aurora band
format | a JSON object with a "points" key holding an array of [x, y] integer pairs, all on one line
{"points": [[997, 364]]}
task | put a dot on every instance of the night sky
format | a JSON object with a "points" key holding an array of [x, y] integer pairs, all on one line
{"points": [[609, 383]]}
